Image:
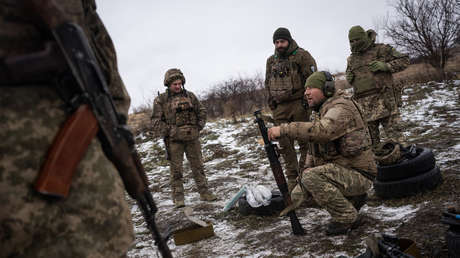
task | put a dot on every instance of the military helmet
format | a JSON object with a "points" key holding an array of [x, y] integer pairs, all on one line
{"points": [[172, 75], [387, 153], [322, 80]]}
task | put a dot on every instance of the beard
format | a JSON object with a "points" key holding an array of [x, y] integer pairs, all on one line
{"points": [[282, 50]]}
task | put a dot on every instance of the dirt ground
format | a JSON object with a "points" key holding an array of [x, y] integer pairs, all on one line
{"points": [[233, 158]]}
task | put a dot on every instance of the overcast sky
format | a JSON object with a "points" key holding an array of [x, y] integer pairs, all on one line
{"points": [[214, 40]]}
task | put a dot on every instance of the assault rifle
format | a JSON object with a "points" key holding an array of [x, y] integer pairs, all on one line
{"points": [[95, 114], [277, 170]]}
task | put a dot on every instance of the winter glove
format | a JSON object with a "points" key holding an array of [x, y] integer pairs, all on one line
{"points": [[376, 66], [350, 76]]}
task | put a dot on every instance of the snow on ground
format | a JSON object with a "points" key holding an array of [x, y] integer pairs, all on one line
{"points": [[234, 158]]}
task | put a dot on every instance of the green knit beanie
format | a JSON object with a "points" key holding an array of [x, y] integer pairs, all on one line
{"points": [[316, 80], [282, 33]]}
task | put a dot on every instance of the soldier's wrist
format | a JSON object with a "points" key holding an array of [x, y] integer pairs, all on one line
{"points": [[284, 130]]}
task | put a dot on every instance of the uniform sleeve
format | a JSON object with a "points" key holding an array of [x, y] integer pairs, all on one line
{"points": [[200, 110], [106, 55], [331, 126], [307, 65], [160, 127], [396, 60], [268, 68]]}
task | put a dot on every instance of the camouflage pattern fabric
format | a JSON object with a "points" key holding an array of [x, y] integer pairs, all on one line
{"points": [[375, 91], [284, 82], [329, 185], [180, 117], [337, 134], [285, 75], [173, 112], [286, 113], [192, 151], [94, 220], [339, 145], [391, 126]]}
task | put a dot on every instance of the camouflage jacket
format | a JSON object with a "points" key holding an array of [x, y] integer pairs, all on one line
{"points": [[285, 76], [364, 80], [180, 116], [375, 91], [21, 33], [95, 218], [338, 134]]}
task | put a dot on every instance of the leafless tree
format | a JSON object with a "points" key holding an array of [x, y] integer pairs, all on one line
{"points": [[235, 97], [426, 28]]}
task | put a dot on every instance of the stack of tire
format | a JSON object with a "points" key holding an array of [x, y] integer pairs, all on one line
{"points": [[452, 218], [413, 173], [274, 208]]}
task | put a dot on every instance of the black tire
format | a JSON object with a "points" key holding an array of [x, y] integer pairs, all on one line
{"points": [[408, 168], [408, 186], [276, 205], [453, 243]]}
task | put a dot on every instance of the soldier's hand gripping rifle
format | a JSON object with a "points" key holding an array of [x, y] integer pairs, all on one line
{"points": [[95, 113], [277, 170]]}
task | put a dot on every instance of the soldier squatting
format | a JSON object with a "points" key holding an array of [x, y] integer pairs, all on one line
{"points": [[335, 169]]}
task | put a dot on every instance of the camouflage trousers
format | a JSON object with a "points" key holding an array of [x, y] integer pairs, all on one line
{"points": [[329, 185], [392, 127], [93, 221], [286, 113], [192, 151]]}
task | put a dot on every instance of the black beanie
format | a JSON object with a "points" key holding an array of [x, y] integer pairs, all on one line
{"points": [[282, 33]]}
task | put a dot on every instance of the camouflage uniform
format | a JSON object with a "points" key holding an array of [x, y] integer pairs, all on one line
{"points": [[179, 118], [375, 91], [339, 153], [284, 83], [94, 220]]}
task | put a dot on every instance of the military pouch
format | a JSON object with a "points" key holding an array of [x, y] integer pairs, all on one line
{"points": [[353, 143], [185, 133], [364, 85], [282, 81]]}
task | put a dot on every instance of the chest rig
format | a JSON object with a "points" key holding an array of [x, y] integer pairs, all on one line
{"points": [[355, 140], [285, 78], [181, 110], [365, 80]]}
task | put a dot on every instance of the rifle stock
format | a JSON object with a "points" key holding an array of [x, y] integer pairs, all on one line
{"points": [[278, 174]]}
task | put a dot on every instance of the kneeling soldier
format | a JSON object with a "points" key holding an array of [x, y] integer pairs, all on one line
{"points": [[340, 164], [179, 117]]}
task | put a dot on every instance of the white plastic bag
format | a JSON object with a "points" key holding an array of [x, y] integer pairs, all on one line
{"points": [[258, 196]]}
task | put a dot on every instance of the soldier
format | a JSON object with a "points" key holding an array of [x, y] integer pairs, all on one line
{"points": [[340, 162], [369, 70], [179, 117], [94, 220], [286, 72]]}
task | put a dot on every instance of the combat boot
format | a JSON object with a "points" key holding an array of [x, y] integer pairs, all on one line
{"points": [[207, 197], [358, 201], [337, 228]]}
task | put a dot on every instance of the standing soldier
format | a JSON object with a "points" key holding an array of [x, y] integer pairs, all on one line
{"points": [[179, 117], [340, 164], [94, 220], [369, 70], [286, 72]]}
